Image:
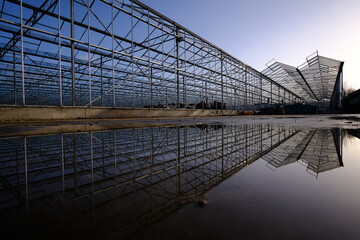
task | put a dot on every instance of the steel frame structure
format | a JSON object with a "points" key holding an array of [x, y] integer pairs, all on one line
{"points": [[133, 177], [118, 53], [318, 81]]}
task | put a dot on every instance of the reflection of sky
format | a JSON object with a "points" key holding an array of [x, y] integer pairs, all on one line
{"points": [[352, 161], [288, 203], [130, 179], [257, 31]]}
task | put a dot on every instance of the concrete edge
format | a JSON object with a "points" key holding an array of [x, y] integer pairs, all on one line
{"points": [[45, 113]]}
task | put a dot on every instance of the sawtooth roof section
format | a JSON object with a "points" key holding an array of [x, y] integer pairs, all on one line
{"points": [[290, 78], [313, 81]]}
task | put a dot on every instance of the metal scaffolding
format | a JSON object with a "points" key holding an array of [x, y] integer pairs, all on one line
{"points": [[319, 80], [119, 53]]}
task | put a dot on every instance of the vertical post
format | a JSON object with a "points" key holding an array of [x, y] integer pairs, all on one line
{"points": [[17, 163], [235, 99], [252, 90], [115, 167], [283, 99], [166, 97], [62, 164], [280, 131], [103, 155], [271, 138], [246, 94], [151, 153], [101, 79], [278, 94], [113, 51], [132, 55], [184, 91], [271, 94], [178, 162], [26, 174], [288, 99], [177, 40], [261, 140], [59, 53], [142, 93], [222, 153], [72, 53], [222, 80], [246, 143], [205, 90], [92, 161], [184, 83], [75, 163], [149, 66], [22, 54], [261, 91], [92, 177], [14, 71], [151, 87], [89, 59], [115, 162], [163, 60]]}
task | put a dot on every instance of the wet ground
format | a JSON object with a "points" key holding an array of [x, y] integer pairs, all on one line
{"points": [[250, 177], [8, 129]]}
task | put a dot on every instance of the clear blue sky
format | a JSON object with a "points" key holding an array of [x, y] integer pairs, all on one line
{"points": [[256, 31]]}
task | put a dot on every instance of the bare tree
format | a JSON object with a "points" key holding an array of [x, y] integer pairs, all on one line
{"points": [[348, 89]]}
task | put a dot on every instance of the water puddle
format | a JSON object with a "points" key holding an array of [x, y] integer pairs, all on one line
{"points": [[215, 181]]}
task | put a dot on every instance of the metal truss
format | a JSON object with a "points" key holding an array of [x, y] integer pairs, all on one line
{"points": [[119, 53], [125, 179], [318, 80]]}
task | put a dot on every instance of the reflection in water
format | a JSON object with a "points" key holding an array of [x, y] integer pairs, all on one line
{"points": [[354, 132], [113, 183], [320, 150]]}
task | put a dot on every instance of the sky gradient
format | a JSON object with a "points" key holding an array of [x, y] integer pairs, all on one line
{"points": [[257, 31]]}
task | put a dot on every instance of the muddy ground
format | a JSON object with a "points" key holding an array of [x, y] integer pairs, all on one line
{"points": [[10, 129]]}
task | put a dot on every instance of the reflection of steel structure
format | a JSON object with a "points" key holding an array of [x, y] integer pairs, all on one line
{"points": [[320, 150], [118, 53], [319, 80], [143, 174]]}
